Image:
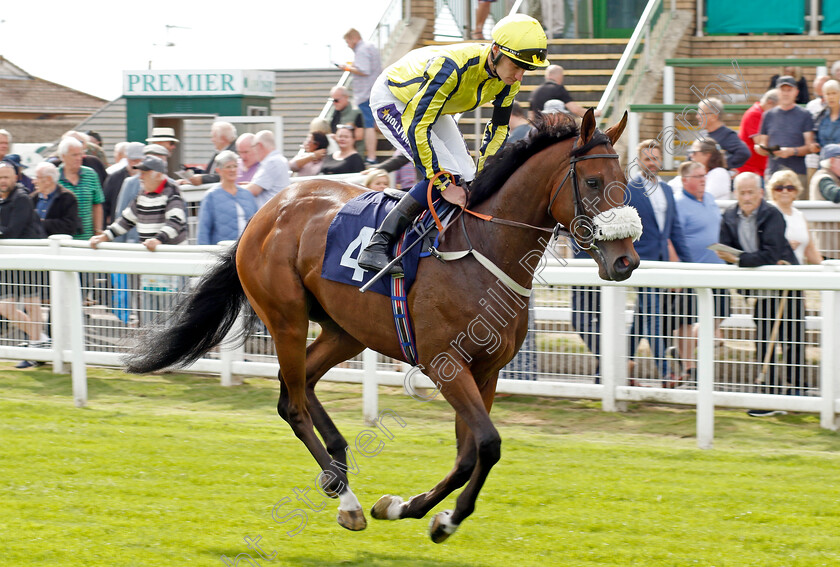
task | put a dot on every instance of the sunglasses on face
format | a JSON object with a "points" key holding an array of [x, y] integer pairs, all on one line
{"points": [[785, 188], [536, 55]]}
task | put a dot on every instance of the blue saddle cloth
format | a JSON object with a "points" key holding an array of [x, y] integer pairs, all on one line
{"points": [[349, 233]]}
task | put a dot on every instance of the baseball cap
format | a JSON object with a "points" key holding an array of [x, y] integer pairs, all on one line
{"points": [[786, 80], [134, 150], [152, 163], [831, 150]]}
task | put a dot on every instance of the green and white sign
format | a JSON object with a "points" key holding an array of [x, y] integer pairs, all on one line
{"points": [[198, 83]]}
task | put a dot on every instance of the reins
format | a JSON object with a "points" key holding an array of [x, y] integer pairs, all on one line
{"points": [[488, 264], [558, 229]]}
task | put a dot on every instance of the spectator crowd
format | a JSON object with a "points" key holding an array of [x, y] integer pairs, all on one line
{"points": [[787, 147]]}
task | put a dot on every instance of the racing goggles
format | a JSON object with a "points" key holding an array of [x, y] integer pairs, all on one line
{"points": [[522, 57]]}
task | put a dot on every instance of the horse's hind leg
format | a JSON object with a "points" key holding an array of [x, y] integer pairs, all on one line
{"points": [[330, 348]]}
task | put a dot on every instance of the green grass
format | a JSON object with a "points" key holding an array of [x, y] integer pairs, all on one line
{"points": [[176, 470]]}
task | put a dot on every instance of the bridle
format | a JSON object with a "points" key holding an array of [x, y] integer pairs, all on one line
{"points": [[580, 211], [557, 231]]}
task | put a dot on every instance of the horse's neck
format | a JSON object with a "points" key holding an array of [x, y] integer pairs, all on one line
{"points": [[524, 199]]}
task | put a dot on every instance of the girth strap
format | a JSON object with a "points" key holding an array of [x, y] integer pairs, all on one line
{"points": [[489, 265]]}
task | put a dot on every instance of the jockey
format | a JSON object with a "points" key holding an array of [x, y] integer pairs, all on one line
{"points": [[414, 99]]}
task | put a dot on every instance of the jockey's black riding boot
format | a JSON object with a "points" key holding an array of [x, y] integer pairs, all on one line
{"points": [[375, 256]]}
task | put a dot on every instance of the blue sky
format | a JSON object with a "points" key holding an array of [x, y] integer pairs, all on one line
{"points": [[86, 45]]}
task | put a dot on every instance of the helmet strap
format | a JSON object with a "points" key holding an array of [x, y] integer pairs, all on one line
{"points": [[495, 59]]}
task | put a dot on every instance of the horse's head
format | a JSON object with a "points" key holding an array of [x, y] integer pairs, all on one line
{"points": [[592, 206]]}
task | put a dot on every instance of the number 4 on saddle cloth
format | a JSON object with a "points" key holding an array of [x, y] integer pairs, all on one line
{"points": [[349, 233]]}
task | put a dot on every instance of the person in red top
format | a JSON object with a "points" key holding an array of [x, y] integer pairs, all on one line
{"points": [[750, 124]]}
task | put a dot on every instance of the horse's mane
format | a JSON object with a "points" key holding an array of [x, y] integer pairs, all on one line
{"points": [[549, 129]]}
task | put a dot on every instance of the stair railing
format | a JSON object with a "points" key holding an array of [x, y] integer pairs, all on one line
{"points": [[628, 75]]}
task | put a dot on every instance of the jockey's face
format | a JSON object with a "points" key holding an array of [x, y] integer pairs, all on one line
{"points": [[508, 71]]}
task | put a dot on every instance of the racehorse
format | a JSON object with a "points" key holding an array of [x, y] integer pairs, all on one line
{"points": [[560, 174]]}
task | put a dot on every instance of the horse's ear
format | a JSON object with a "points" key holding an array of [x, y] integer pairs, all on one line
{"points": [[614, 132], [587, 127]]}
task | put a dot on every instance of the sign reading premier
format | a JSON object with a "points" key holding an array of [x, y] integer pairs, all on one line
{"points": [[198, 83]]}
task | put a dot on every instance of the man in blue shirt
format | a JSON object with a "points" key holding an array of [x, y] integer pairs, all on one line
{"points": [[699, 218]]}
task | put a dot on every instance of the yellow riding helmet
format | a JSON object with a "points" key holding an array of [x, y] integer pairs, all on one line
{"points": [[522, 39]]}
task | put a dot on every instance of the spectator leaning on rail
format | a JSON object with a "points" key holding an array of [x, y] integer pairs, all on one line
{"points": [[786, 134], [758, 229], [273, 174], [750, 124], [158, 213], [226, 207], [825, 184], [131, 188], [366, 67], [709, 113], [414, 100]]}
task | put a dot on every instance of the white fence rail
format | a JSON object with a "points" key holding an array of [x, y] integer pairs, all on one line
{"points": [[77, 340]]}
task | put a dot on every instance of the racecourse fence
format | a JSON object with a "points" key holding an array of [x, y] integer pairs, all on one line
{"points": [[96, 300]]}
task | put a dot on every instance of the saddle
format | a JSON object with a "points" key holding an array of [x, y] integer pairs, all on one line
{"points": [[355, 223]]}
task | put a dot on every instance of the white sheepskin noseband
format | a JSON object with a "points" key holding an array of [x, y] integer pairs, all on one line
{"points": [[618, 222]]}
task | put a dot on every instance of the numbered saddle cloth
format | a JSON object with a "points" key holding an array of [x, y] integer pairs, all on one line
{"points": [[351, 230]]}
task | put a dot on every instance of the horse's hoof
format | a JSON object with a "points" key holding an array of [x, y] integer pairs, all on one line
{"points": [[387, 508], [441, 526], [353, 520]]}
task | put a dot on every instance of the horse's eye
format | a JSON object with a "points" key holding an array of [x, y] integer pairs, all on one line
{"points": [[592, 183]]}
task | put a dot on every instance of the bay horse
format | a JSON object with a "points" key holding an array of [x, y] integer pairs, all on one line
{"points": [[275, 267]]}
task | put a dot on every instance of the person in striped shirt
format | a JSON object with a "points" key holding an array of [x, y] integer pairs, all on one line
{"points": [[158, 213], [84, 182]]}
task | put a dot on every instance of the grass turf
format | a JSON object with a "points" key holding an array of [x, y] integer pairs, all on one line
{"points": [[174, 469]]}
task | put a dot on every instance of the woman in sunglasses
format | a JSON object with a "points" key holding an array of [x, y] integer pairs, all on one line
{"points": [[784, 188], [414, 100]]}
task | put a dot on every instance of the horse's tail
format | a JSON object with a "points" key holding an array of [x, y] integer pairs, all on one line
{"points": [[199, 321]]}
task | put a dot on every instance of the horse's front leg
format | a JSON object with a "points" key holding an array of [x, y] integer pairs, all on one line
{"points": [[479, 447], [391, 507], [473, 406]]}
